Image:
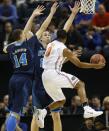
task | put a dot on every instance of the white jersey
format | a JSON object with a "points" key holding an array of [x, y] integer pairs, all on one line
{"points": [[53, 78], [53, 58]]}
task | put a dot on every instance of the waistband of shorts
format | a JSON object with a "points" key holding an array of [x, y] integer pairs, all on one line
{"points": [[47, 69], [24, 75]]}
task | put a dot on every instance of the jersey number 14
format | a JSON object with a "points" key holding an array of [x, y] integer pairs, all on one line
{"points": [[21, 61]]}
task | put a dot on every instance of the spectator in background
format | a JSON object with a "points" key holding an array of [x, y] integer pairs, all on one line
{"points": [[100, 21], [35, 27], [93, 41], [5, 36], [8, 12], [96, 103], [102, 122], [106, 44], [52, 29], [64, 15], [6, 101], [75, 108], [82, 22], [88, 125], [2, 109], [74, 39]]}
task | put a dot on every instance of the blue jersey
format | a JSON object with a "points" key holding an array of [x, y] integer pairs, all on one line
{"points": [[39, 59], [23, 55]]}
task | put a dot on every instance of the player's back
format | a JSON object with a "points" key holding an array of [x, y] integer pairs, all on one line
{"points": [[53, 58], [22, 56]]}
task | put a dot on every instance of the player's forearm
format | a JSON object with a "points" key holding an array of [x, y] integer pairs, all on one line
{"points": [[87, 65], [44, 26], [80, 64], [69, 22], [46, 23], [29, 25]]}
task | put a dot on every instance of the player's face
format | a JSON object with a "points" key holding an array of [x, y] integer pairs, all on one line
{"points": [[46, 37]]}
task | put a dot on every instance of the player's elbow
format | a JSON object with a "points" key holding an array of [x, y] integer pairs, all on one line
{"points": [[66, 29]]}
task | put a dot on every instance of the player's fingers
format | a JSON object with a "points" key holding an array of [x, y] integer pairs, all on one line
{"points": [[55, 4], [38, 7], [70, 8], [42, 7]]}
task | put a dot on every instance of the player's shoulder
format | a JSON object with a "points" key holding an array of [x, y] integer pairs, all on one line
{"points": [[51, 44]]}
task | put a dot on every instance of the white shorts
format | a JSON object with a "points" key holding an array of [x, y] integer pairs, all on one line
{"points": [[54, 80]]}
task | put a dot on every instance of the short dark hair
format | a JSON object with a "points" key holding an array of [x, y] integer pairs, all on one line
{"points": [[16, 35], [61, 34]]}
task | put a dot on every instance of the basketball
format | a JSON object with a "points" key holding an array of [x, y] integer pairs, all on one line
{"points": [[97, 58]]}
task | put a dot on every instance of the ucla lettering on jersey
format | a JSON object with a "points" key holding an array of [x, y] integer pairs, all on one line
{"points": [[41, 53]]}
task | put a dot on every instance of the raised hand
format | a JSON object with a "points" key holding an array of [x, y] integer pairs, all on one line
{"points": [[76, 7], [38, 11], [54, 7]]}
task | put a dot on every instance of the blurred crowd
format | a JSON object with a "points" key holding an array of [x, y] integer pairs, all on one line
{"points": [[88, 32], [101, 123]]}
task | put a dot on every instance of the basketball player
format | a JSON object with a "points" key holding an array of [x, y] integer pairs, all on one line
{"points": [[54, 79], [40, 50], [39, 95], [22, 55]]}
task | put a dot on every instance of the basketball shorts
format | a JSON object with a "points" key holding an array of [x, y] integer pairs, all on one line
{"points": [[20, 87], [54, 80], [39, 96]]}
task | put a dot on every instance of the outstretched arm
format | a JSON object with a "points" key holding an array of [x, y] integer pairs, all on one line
{"points": [[27, 34], [74, 11], [67, 53], [27, 29], [46, 23]]}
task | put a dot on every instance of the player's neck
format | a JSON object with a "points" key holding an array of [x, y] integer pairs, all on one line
{"points": [[62, 41], [43, 44]]}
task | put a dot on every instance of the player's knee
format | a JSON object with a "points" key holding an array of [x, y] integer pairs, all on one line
{"points": [[79, 85]]}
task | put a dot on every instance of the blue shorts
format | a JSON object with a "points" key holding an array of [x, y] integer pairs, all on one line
{"points": [[39, 96], [20, 87]]}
